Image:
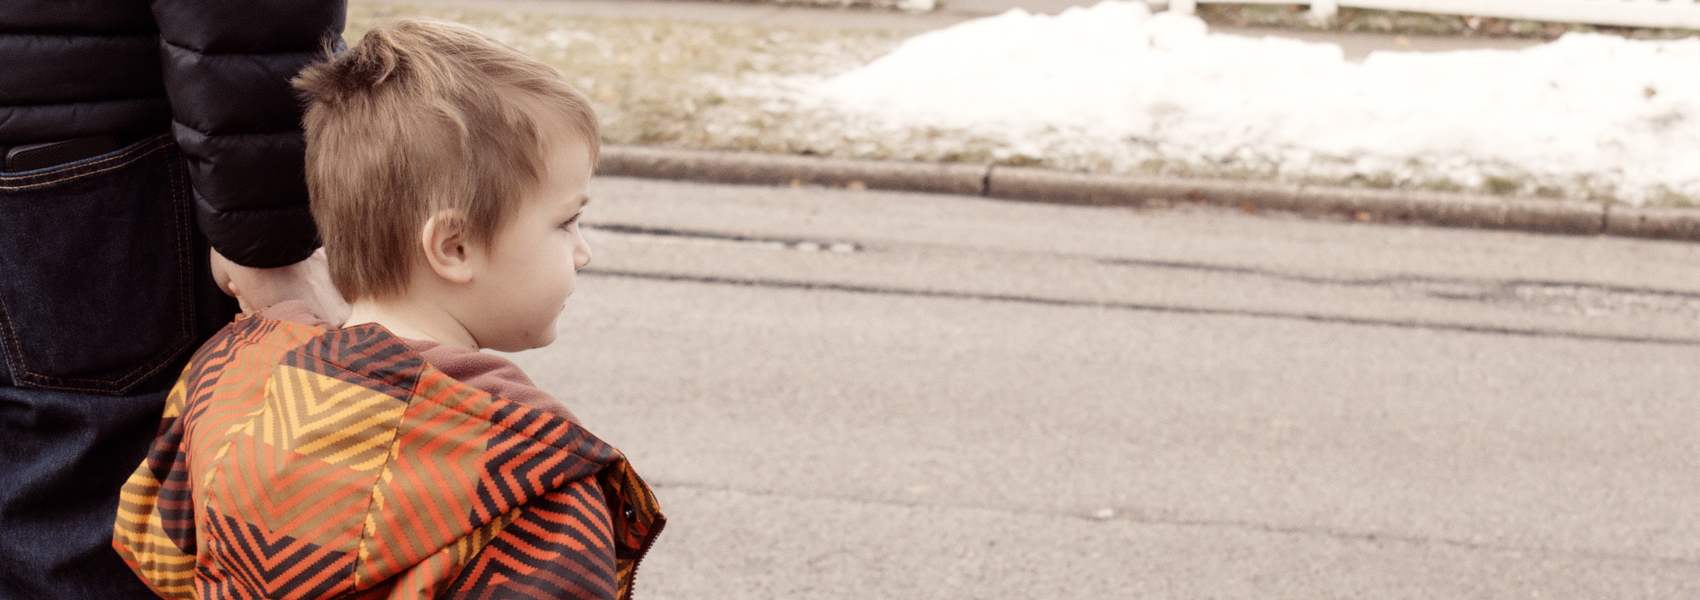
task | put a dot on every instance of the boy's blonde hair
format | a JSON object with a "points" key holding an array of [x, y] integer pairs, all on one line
{"points": [[419, 117]]}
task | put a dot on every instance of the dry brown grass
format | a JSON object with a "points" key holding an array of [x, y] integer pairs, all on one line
{"points": [[668, 83]]}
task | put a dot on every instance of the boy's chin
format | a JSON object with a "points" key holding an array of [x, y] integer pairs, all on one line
{"points": [[529, 341], [545, 337]]}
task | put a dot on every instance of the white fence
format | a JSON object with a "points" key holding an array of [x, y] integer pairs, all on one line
{"points": [[1631, 13]]}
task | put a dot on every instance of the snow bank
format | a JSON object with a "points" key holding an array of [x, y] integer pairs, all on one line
{"points": [[1586, 111]]}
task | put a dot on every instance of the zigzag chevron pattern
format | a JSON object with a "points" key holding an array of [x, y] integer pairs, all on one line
{"points": [[314, 464], [253, 562], [329, 420], [438, 445], [366, 356], [548, 552], [515, 470], [155, 531]]}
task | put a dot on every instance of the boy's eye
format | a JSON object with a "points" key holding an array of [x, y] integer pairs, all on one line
{"points": [[570, 222]]}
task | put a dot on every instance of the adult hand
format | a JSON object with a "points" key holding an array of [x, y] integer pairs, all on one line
{"points": [[308, 280]]}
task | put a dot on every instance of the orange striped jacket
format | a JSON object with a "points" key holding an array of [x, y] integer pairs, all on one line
{"points": [[295, 462]]}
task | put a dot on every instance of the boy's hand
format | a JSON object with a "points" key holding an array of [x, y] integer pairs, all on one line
{"points": [[308, 280]]}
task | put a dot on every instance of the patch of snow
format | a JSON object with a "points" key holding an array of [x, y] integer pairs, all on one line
{"points": [[1589, 110], [917, 5]]}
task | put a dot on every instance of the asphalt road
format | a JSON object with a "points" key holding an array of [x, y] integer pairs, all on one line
{"points": [[847, 394]]}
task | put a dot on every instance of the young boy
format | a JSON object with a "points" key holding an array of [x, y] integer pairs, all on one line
{"points": [[388, 458]]}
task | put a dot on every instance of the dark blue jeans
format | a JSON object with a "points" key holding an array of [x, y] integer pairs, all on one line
{"points": [[104, 293]]}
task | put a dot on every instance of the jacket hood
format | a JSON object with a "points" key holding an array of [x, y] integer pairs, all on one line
{"points": [[303, 463]]}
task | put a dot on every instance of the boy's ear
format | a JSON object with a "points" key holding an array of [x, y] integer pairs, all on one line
{"points": [[448, 247]]}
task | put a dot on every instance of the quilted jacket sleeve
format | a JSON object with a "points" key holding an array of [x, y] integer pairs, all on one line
{"points": [[227, 67]]}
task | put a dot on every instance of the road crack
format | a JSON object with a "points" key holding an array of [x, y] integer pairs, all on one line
{"points": [[1156, 308]]}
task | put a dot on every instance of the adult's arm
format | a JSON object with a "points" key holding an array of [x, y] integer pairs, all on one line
{"points": [[227, 67]]}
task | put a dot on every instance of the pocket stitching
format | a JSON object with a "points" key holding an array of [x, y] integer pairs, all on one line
{"points": [[185, 250], [13, 348], [151, 146]]}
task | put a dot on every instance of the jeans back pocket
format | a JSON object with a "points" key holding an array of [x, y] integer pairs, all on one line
{"points": [[97, 269]]}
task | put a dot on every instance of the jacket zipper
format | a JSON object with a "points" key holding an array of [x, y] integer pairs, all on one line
{"points": [[658, 524]]}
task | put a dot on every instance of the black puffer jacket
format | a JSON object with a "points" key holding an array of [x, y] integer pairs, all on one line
{"points": [[215, 73]]}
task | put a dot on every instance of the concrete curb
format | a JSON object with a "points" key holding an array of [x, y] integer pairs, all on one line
{"points": [[784, 169], [1044, 185]]}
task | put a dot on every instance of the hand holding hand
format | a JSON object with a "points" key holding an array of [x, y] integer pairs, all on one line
{"points": [[308, 280]]}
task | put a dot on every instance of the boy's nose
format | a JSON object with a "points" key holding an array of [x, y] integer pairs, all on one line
{"points": [[581, 255]]}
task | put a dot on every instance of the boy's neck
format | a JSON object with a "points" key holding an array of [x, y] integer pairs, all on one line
{"points": [[414, 320]]}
